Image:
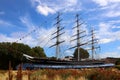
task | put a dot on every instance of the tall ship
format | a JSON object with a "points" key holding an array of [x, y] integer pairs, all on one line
{"points": [[72, 62]]}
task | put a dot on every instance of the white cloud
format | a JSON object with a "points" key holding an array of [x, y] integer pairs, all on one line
{"points": [[113, 1], [106, 35], [105, 40], [45, 37], [42, 35], [112, 14], [2, 13], [118, 48], [108, 8], [17, 34], [105, 2], [5, 23], [110, 54], [5, 38], [45, 10], [51, 7], [68, 53], [116, 27], [28, 40], [20, 36], [114, 22], [26, 21], [104, 28], [101, 2]]}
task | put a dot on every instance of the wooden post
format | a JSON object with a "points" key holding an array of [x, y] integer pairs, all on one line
{"points": [[10, 71], [19, 72]]}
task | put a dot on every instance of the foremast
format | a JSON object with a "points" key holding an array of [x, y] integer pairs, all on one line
{"points": [[58, 33]]}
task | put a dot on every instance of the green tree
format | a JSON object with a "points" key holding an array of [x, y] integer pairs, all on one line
{"points": [[4, 55], [83, 53], [39, 52], [14, 52], [117, 62], [53, 58]]}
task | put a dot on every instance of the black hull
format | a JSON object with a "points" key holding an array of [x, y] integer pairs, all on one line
{"points": [[65, 64], [69, 62]]}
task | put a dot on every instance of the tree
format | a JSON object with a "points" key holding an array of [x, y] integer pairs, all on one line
{"points": [[14, 52], [83, 53], [39, 52], [117, 62]]}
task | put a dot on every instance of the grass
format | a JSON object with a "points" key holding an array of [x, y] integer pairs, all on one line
{"points": [[4, 75], [65, 74]]}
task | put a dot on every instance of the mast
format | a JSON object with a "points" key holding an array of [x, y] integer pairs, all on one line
{"points": [[93, 43], [58, 33], [78, 40], [93, 48], [78, 37]]}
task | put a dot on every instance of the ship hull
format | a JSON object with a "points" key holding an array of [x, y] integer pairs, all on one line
{"points": [[65, 65]]}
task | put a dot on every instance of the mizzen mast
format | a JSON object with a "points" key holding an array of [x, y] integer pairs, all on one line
{"points": [[93, 43]]}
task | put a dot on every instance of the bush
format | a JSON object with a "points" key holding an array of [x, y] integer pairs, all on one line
{"points": [[118, 67], [117, 62]]}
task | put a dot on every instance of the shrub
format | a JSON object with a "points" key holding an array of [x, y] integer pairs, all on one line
{"points": [[117, 62], [118, 67]]}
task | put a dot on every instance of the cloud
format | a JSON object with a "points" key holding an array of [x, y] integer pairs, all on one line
{"points": [[116, 27], [44, 37], [110, 54], [51, 7], [101, 2], [26, 21], [105, 40], [29, 40], [105, 2], [19, 36], [108, 8], [2, 13], [5, 38], [114, 21], [5, 23], [118, 48], [112, 13], [106, 34], [45, 10]]}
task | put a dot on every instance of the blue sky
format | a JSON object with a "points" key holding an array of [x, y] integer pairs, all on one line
{"points": [[32, 22]]}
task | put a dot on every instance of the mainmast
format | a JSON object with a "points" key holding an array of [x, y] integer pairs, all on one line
{"points": [[93, 41], [58, 34], [78, 37], [78, 40]]}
